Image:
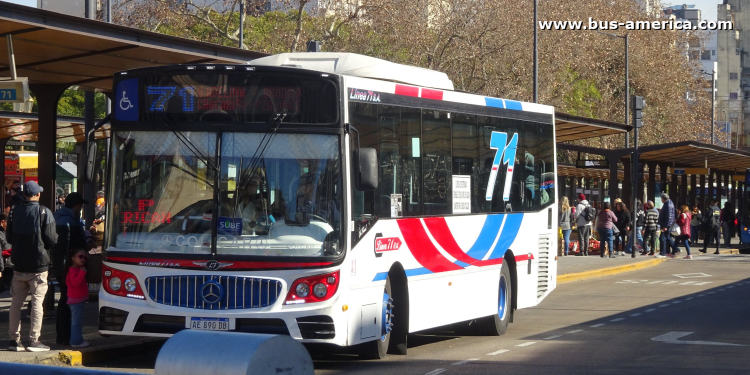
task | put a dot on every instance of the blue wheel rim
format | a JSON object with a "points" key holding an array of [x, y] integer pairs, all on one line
{"points": [[502, 301], [387, 317]]}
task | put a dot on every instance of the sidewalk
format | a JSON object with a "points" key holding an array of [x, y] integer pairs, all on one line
{"points": [[574, 268], [102, 348]]}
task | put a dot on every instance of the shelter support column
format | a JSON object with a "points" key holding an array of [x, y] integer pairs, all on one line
{"points": [[651, 182], [691, 194], [702, 204], [683, 189], [613, 182], [3, 142], [627, 184], [673, 194], [47, 97], [711, 191], [641, 183], [601, 190], [663, 180]]}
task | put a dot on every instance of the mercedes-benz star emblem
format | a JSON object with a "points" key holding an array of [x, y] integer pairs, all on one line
{"points": [[213, 265], [212, 292]]}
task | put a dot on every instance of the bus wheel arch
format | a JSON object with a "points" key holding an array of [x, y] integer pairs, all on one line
{"points": [[400, 289], [511, 261]]}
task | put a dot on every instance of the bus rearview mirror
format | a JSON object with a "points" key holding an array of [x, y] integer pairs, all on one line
{"points": [[90, 161], [367, 165]]}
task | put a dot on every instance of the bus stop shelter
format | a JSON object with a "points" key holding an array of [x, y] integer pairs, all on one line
{"points": [[57, 51]]}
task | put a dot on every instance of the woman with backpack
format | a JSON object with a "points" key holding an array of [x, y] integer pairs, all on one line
{"points": [[565, 215], [683, 220], [604, 223]]}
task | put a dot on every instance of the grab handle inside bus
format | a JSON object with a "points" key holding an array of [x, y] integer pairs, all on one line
{"points": [[367, 165]]}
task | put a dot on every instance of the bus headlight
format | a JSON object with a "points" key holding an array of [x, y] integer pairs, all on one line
{"points": [[130, 284], [302, 290], [320, 290], [115, 283]]}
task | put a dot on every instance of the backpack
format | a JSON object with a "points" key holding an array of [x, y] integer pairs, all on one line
{"points": [[713, 219], [589, 213]]}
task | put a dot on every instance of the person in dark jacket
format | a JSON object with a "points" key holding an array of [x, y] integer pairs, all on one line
{"points": [[711, 226], [624, 224], [16, 195], [70, 235], [4, 245], [31, 231], [727, 223], [666, 220]]}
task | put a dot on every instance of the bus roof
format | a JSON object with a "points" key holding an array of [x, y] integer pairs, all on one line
{"points": [[352, 64]]}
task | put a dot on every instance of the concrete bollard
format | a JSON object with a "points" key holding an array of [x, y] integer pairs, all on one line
{"points": [[204, 352]]}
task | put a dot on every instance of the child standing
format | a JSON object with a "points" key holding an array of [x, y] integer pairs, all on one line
{"points": [[78, 294]]}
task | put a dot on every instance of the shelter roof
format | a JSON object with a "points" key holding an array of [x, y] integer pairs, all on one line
{"points": [[571, 128], [692, 154], [568, 170], [54, 48], [23, 126]]}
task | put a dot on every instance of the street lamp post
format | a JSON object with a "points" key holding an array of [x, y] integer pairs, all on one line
{"points": [[536, 57], [627, 80], [713, 99]]}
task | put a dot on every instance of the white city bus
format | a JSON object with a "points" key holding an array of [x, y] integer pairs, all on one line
{"points": [[332, 197]]}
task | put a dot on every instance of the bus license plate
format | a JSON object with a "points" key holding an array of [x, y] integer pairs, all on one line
{"points": [[210, 324]]}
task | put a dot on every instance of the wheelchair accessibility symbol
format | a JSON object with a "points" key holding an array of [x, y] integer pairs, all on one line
{"points": [[125, 103]]}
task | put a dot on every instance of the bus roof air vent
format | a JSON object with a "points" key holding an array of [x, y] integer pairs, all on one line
{"points": [[352, 64]]}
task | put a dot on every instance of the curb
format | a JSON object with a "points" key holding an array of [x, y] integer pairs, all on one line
{"points": [[110, 352], [570, 277], [70, 357]]}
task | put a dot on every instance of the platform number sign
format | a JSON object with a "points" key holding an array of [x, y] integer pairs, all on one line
{"points": [[506, 154]]}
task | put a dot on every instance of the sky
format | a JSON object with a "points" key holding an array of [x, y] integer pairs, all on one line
{"points": [[707, 7]]}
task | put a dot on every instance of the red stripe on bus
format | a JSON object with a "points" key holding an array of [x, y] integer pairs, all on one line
{"points": [[521, 258], [422, 248], [407, 90], [432, 94], [442, 234], [182, 263]]}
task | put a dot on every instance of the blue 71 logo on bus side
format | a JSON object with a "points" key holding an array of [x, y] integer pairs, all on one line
{"points": [[506, 154]]}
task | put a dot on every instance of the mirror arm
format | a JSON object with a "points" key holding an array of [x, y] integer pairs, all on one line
{"points": [[349, 128], [98, 125]]}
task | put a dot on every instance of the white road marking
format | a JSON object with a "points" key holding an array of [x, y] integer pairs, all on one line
{"points": [[721, 290], [670, 282], [617, 319], [691, 275], [598, 325], [656, 282], [436, 371], [711, 293], [676, 301], [703, 283], [576, 331], [636, 314], [674, 336], [459, 363], [688, 299], [527, 343], [664, 305], [650, 310], [501, 351], [701, 295], [730, 287], [552, 337]]}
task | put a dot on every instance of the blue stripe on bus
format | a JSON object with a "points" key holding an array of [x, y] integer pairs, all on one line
{"points": [[492, 102], [511, 104], [461, 264], [512, 224], [415, 272], [486, 236]]}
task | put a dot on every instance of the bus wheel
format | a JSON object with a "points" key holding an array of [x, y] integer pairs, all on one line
{"points": [[377, 349], [497, 324]]}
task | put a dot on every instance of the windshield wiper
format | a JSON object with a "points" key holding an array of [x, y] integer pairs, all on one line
{"points": [[257, 157], [189, 144]]}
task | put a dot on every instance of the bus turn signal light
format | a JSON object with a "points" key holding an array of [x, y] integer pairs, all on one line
{"points": [[323, 287], [121, 283]]}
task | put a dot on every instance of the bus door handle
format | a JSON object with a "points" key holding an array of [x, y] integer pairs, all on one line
{"points": [[549, 218], [529, 265]]}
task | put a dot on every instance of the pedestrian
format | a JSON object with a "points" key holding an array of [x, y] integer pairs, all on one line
{"points": [[666, 220], [640, 220], [604, 223], [683, 220], [651, 228], [4, 246], [78, 294], [16, 195], [624, 223], [60, 202], [565, 216], [696, 218], [584, 217], [711, 225], [71, 235], [727, 223], [31, 231]]}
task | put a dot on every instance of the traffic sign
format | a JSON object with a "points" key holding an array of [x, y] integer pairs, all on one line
{"points": [[693, 171], [14, 90]]}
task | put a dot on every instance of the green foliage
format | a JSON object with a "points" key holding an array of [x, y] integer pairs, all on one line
{"points": [[581, 97], [71, 103]]}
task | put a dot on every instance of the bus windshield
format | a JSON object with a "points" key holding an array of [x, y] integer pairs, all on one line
{"points": [[266, 195]]}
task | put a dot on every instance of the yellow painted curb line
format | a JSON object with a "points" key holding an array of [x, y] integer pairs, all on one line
{"points": [[729, 251], [569, 277], [71, 357]]}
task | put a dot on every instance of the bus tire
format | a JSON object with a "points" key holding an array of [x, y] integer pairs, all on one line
{"points": [[377, 349], [497, 324]]}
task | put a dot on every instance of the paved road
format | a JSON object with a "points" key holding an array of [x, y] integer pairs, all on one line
{"points": [[681, 317]]}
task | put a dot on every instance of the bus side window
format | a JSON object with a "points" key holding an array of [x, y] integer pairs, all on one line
{"points": [[436, 161], [465, 148]]}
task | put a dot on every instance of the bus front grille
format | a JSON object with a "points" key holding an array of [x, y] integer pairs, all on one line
{"points": [[543, 281], [213, 292]]}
